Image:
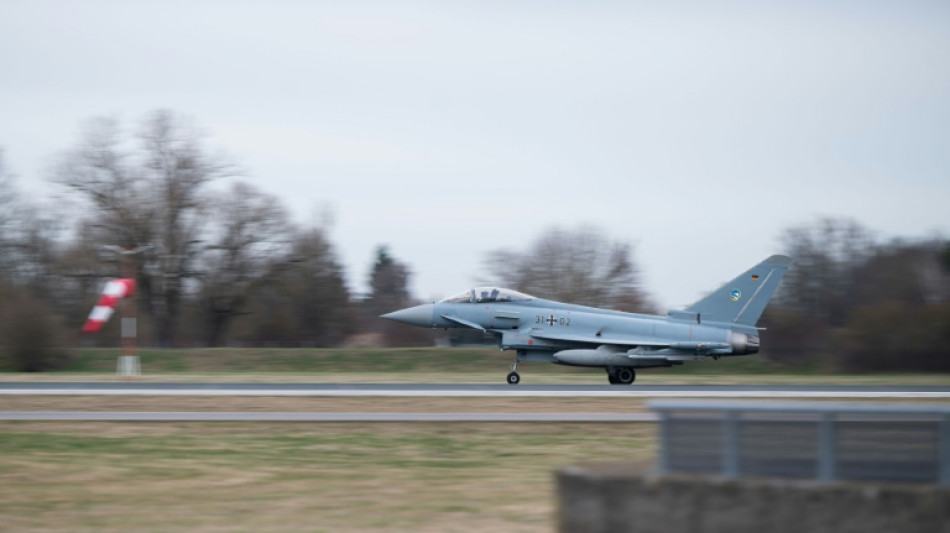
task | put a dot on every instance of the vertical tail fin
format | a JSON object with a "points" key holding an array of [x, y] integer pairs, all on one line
{"points": [[742, 300]]}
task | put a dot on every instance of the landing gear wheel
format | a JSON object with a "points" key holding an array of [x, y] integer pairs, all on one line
{"points": [[513, 378], [625, 376]]}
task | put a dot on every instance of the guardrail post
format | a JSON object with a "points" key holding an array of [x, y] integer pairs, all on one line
{"points": [[943, 452], [730, 445], [827, 462]]}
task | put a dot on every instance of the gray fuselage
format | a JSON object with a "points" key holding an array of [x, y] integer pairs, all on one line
{"points": [[585, 336], [722, 323]]}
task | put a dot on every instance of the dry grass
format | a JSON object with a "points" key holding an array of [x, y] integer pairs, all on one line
{"points": [[319, 404], [227, 477], [438, 365]]}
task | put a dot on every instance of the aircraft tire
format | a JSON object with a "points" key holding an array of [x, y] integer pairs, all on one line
{"points": [[626, 376], [513, 378]]}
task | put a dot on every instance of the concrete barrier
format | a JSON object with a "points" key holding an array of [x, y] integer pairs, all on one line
{"points": [[614, 499]]}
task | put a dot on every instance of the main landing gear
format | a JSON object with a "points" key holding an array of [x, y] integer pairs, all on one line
{"points": [[621, 375]]}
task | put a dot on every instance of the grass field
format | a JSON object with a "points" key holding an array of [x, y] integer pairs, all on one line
{"points": [[460, 361], [296, 477], [321, 404], [431, 365]]}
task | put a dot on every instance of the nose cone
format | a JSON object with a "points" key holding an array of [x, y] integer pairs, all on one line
{"points": [[420, 315]]}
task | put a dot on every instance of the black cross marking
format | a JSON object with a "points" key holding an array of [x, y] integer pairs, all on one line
{"points": [[551, 320]]}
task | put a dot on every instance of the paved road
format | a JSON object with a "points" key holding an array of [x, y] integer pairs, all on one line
{"points": [[328, 417], [141, 388]]}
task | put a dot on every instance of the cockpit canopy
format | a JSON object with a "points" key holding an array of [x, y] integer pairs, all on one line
{"points": [[480, 295]]}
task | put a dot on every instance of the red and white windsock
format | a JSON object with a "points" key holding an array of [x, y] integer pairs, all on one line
{"points": [[114, 291]]}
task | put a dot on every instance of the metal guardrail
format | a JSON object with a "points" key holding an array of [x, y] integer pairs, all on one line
{"points": [[823, 441]]}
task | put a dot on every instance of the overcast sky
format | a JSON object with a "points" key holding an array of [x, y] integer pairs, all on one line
{"points": [[695, 130]]}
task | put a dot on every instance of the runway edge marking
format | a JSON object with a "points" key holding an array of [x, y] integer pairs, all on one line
{"points": [[476, 393], [204, 416]]}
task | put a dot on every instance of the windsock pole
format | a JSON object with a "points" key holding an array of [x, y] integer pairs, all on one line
{"points": [[120, 292]]}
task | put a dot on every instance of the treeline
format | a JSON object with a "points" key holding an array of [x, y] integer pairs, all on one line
{"points": [[858, 304], [219, 262]]}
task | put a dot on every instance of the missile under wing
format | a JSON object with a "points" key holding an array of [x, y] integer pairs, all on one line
{"points": [[719, 325]]}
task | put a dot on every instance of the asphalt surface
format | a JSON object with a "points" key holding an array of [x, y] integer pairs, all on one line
{"points": [[326, 417], [142, 388]]}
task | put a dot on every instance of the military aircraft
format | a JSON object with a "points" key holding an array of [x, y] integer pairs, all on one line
{"points": [[721, 324]]}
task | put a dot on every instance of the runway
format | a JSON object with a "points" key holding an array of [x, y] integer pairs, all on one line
{"points": [[323, 417], [141, 388]]}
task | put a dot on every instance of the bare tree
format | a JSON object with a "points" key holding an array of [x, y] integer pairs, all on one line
{"points": [[9, 208], [305, 303], [581, 266], [29, 239], [32, 338], [252, 241], [31, 333], [828, 254], [909, 273], [38, 250], [102, 171], [932, 272], [79, 269], [149, 194]]}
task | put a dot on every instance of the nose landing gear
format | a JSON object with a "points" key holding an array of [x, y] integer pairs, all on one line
{"points": [[513, 377]]}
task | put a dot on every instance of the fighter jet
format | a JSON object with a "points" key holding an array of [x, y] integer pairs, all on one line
{"points": [[721, 324]]}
